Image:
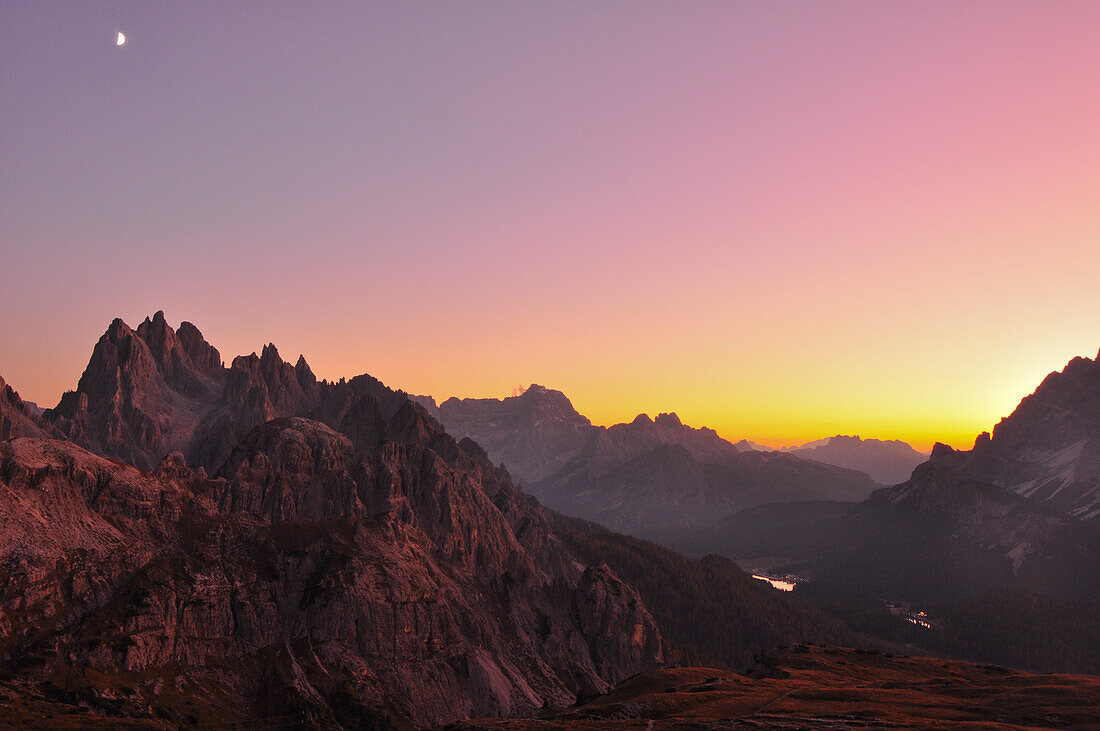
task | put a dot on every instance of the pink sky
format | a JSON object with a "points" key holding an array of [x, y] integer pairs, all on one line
{"points": [[782, 220]]}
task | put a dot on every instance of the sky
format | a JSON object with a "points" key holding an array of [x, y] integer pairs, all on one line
{"points": [[783, 220]]}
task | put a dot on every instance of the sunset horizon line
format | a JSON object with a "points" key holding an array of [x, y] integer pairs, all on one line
{"points": [[922, 441]]}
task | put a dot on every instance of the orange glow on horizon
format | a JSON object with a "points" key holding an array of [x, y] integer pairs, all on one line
{"points": [[786, 402]]}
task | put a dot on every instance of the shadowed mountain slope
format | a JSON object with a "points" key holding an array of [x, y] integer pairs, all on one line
{"points": [[711, 612], [943, 536]]}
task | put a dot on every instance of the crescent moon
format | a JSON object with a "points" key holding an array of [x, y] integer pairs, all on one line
{"points": [[120, 40]]}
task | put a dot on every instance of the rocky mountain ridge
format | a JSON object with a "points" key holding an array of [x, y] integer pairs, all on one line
{"points": [[1048, 448], [286, 547]]}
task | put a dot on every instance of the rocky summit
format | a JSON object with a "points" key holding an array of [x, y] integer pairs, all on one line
{"points": [[201, 544]]}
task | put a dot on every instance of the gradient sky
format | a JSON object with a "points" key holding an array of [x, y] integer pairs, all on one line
{"points": [[782, 220]]}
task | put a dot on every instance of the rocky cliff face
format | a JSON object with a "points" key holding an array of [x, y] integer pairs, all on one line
{"points": [[317, 552], [646, 477], [1048, 449], [141, 395]]}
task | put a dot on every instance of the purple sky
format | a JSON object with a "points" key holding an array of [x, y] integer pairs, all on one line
{"points": [[783, 220]]}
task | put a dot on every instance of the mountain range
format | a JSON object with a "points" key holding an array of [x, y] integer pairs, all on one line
{"points": [[1013, 518], [646, 477], [184, 543], [1017, 510], [211, 544]]}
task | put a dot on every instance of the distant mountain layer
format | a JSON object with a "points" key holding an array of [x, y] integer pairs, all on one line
{"points": [[1018, 510], [640, 478], [534, 434], [887, 462]]}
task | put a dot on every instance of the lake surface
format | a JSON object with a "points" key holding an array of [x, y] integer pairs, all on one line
{"points": [[780, 584]]}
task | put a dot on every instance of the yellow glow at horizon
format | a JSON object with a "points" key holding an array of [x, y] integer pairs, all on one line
{"points": [[782, 409]]}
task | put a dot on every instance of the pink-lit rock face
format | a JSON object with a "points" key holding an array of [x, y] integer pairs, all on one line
{"points": [[345, 557]]}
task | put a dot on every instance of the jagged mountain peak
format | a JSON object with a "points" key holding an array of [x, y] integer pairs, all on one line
{"points": [[332, 507], [1048, 448], [118, 356], [117, 328], [270, 353], [141, 394], [644, 433], [204, 356], [670, 420], [157, 319], [548, 400], [176, 358], [941, 451]]}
